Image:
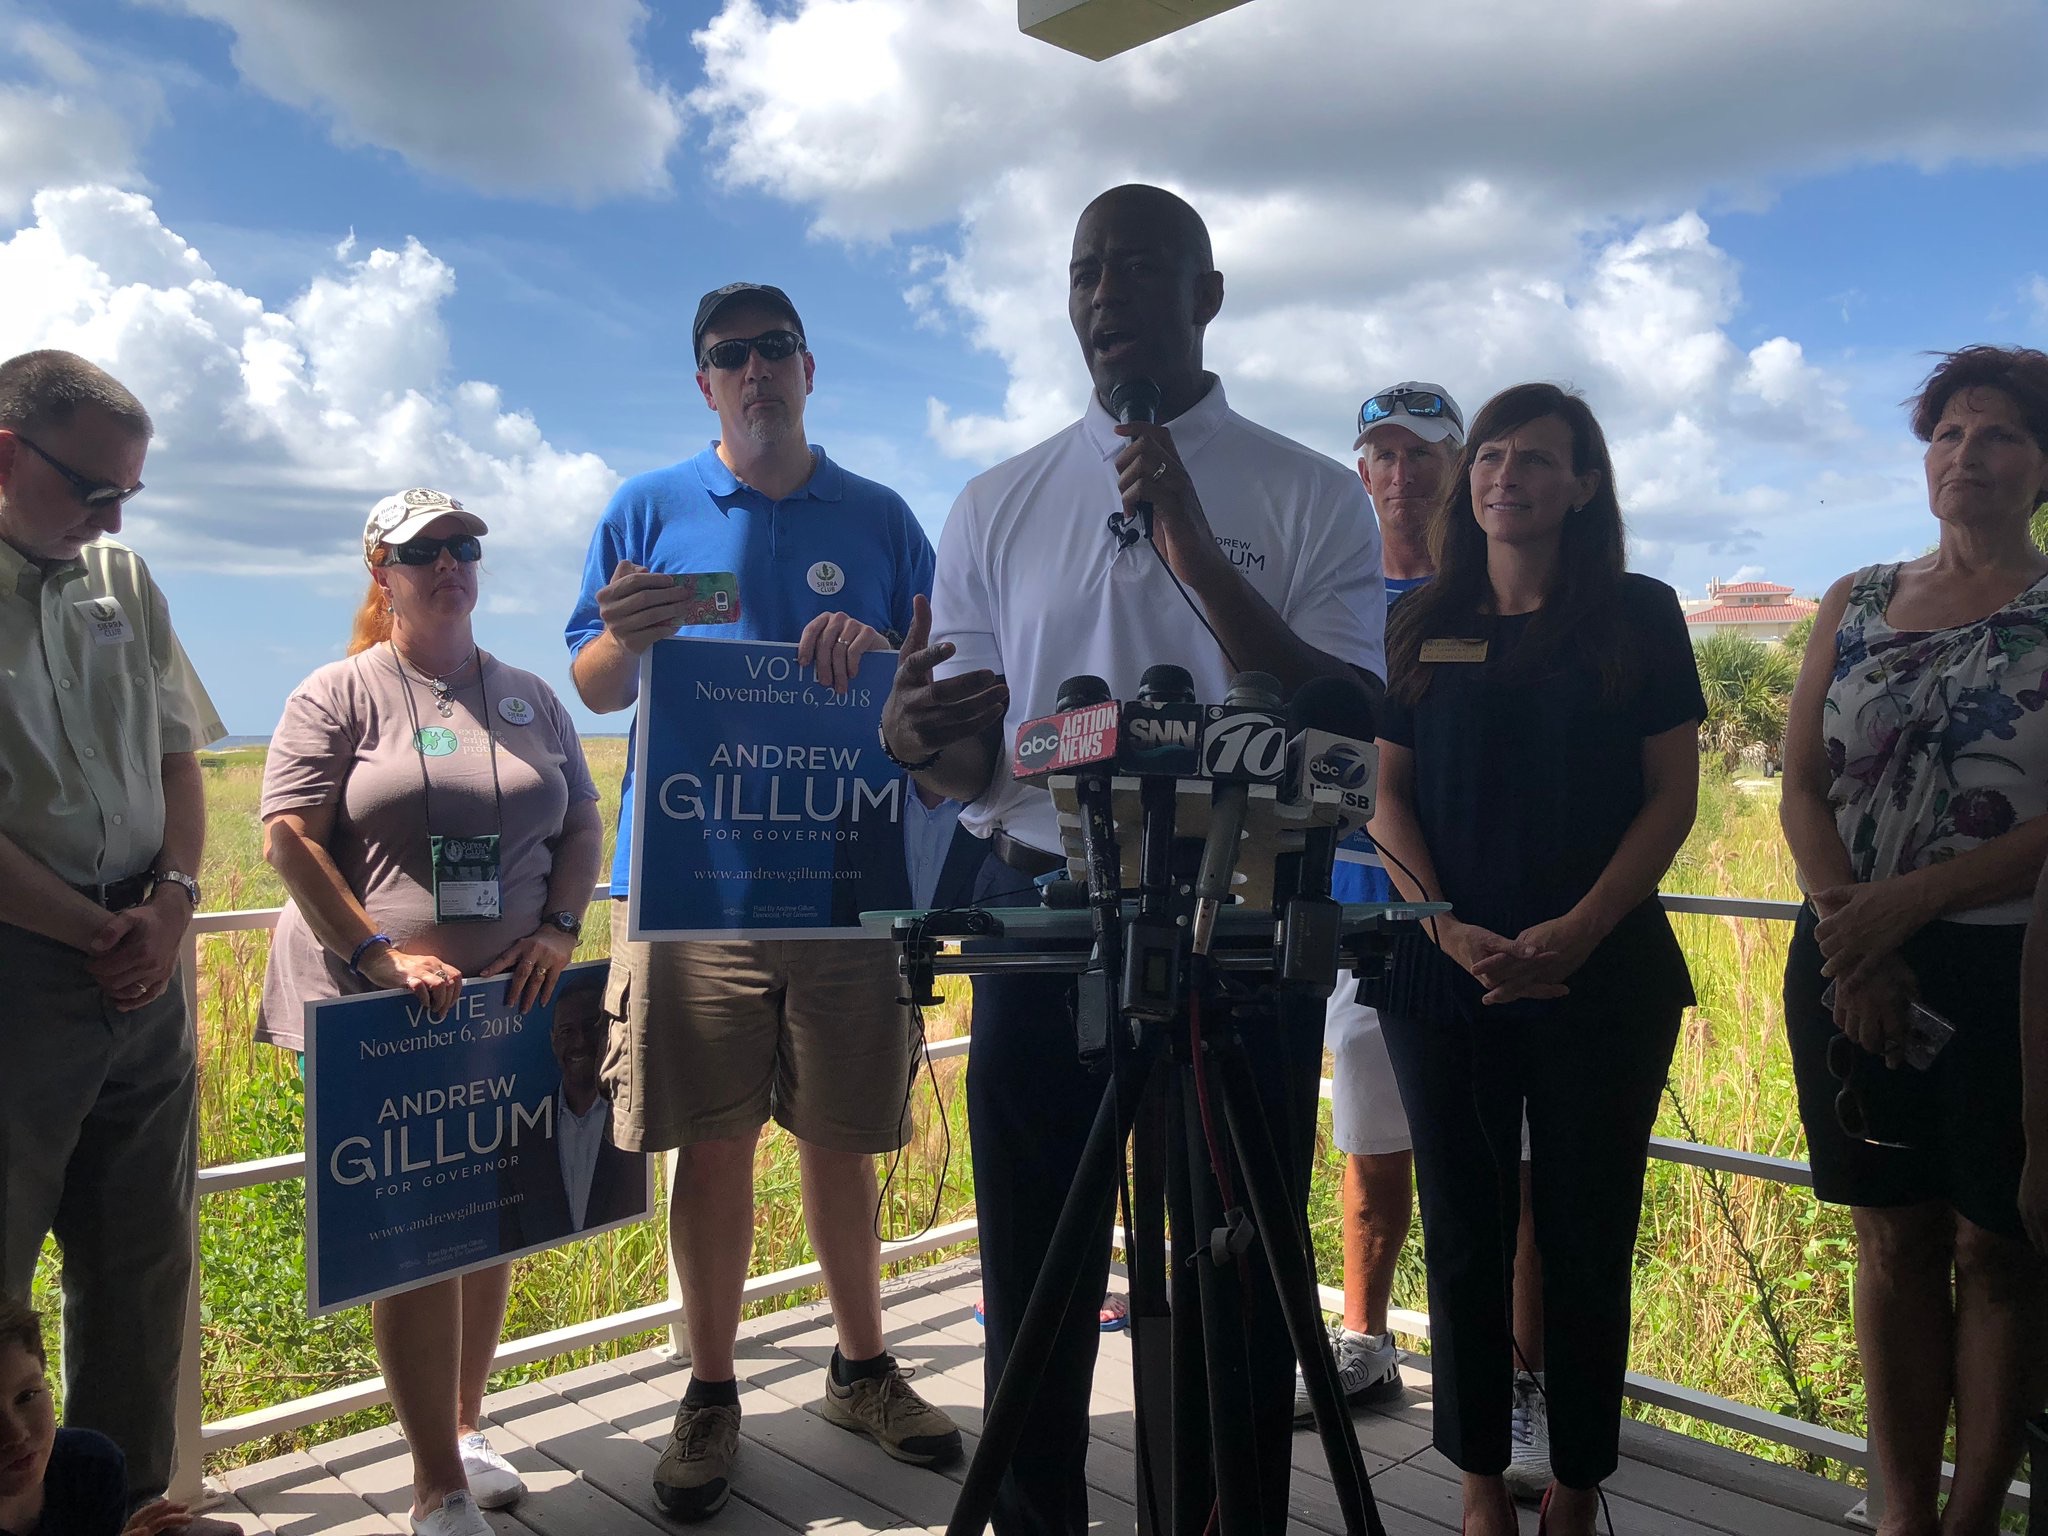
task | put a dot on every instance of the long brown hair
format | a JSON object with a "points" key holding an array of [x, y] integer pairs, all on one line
{"points": [[1577, 611], [373, 620]]}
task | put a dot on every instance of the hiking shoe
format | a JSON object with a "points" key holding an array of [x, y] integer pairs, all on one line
{"points": [[457, 1516], [493, 1482], [694, 1477], [1528, 1470], [1368, 1373], [886, 1409]]}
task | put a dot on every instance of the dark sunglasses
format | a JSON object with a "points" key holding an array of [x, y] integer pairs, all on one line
{"points": [[1849, 1111], [465, 547], [1407, 402], [94, 493], [773, 346]]}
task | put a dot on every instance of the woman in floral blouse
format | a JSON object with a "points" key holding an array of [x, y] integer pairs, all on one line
{"points": [[1916, 778]]}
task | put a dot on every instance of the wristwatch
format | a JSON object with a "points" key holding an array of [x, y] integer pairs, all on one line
{"points": [[183, 881], [568, 922]]}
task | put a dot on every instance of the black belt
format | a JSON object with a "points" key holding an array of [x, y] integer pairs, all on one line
{"points": [[120, 895], [1028, 861]]}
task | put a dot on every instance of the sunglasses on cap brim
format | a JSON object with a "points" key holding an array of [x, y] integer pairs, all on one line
{"points": [[467, 548], [1406, 402], [773, 346]]}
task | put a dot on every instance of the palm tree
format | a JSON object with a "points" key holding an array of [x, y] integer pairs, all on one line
{"points": [[1797, 636], [1749, 687]]}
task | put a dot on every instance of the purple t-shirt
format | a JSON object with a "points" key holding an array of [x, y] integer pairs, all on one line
{"points": [[347, 739]]}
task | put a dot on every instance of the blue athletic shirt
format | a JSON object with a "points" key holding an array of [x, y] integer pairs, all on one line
{"points": [[1368, 882], [853, 538]]}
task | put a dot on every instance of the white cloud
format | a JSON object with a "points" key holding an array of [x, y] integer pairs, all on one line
{"points": [[1477, 195], [278, 428], [514, 97], [58, 124]]}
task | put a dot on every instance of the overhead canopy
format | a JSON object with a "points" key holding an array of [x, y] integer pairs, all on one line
{"points": [[1097, 29]]}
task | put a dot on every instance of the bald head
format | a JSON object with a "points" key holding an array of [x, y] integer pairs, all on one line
{"points": [[1141, 287]]}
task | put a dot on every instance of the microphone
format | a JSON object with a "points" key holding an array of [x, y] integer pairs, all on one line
{"points": [[1244, 742], [1160, 741], [1132, 400], [1081, 732], [1331, 750]]}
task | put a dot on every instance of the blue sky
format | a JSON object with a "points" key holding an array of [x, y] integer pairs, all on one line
{"points": [[340, 249]]}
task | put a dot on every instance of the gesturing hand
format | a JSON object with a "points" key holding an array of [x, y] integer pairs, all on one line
{"points": [[436, 982], [833, 644], [1149, 469], [536, 963], [640, 606], [924, 714], [156, 1517]]}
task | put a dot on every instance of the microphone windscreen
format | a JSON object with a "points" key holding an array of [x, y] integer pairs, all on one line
{"points": [[1167, 684], [1254, 690], [1079, 692], [1334, 704], [1135, 400]]}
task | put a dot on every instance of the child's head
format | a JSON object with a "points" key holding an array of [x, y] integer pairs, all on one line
{"points": [[28, 1417]]}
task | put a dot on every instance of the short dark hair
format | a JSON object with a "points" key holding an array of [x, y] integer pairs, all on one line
{"points": [[1173, 216], [46, 388], [19, 1324], [2019, 372]]}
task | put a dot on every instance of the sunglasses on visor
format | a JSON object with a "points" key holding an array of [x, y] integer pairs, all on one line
{"points": [[465, 547], [773, 346], [1406, 402]]}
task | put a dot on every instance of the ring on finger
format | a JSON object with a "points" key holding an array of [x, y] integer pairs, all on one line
{"points": [[1160, 472]]}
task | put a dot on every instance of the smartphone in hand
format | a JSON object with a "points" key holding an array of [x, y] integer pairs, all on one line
{"points": [[710, 597], [1926, 1032]]}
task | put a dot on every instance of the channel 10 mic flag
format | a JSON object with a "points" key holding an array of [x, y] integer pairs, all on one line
{"points": [[763, 807]]}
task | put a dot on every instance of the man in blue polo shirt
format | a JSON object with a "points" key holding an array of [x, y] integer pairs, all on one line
{"points": [[709, 1039]]}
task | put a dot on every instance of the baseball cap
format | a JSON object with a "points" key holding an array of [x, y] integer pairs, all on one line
{"points": [[1427, 410], [712, 302], [400, 517]]}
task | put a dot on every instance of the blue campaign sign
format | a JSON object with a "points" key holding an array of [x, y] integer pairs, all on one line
{"points": [[763, 807], [438, 1146]]}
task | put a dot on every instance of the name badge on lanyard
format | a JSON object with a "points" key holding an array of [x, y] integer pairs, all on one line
{"points": [[1453, 650], [466, 884]]}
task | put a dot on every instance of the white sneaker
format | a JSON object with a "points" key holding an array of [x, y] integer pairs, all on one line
{"points": [[1528, 1469], [493, 1481], [1368, 1373], [457, 1516]]}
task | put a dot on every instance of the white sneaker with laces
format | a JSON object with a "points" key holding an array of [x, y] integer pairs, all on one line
{"points": [[493, 1481], [457, 1516], [1368, 1373], [1528, 1469]]}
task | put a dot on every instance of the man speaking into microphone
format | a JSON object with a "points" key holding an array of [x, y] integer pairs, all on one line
{"points": [[1262, 556]]}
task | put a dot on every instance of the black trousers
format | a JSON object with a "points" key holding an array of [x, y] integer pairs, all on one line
{"points": [[1030, 1105], [1590, 1073]]}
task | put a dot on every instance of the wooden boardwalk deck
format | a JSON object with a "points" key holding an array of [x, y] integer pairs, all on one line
{"points": [[587, 1442]]}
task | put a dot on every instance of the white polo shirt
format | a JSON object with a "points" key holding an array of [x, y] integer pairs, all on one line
{"points": [[1031, 585]]}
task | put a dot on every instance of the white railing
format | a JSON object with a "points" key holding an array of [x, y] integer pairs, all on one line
{"points": [[196, 1436]]}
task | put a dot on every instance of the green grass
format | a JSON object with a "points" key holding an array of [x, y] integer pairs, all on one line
{"points": [[1699, 1319]]}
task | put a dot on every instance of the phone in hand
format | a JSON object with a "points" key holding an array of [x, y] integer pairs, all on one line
{"points": [[710, 597], [1926, 1032]]}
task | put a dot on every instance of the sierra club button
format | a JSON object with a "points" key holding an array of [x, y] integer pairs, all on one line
{"points": [[825, 578], [515, 711]]}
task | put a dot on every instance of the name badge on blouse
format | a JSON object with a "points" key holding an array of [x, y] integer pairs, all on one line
{"points": [[466, 884], [1454, 650]]}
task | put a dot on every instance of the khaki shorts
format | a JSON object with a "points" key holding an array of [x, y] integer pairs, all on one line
{"points": [[712, 1038]]}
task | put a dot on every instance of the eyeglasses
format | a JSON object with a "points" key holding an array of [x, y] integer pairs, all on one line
{"points": [[465, 547], [94, 493], [773, 346], [1407, 402], [1850, 1114]]}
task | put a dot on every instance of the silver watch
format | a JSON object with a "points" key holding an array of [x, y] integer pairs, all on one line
{"points": [[184, 881]]}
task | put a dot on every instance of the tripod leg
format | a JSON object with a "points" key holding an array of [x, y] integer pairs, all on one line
{"points": [[1194, 1489], [1082, 1220], [1221, 1287], [1151, 1322], [1286, 1244]]}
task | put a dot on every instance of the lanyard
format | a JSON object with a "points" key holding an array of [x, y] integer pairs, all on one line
{"points": [[426, 779]]}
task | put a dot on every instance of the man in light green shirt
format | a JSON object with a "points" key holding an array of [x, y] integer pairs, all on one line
{"points": [[102, 821]]}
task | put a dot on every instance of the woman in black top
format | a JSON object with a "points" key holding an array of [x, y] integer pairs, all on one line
{"points": [[1539, 770]]}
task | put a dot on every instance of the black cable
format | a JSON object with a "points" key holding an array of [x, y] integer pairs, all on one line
{"points": [[1194, 608]]}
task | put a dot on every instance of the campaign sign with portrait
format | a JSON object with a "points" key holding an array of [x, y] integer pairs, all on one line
{"points": [[763, 807], [438, 1146]]}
